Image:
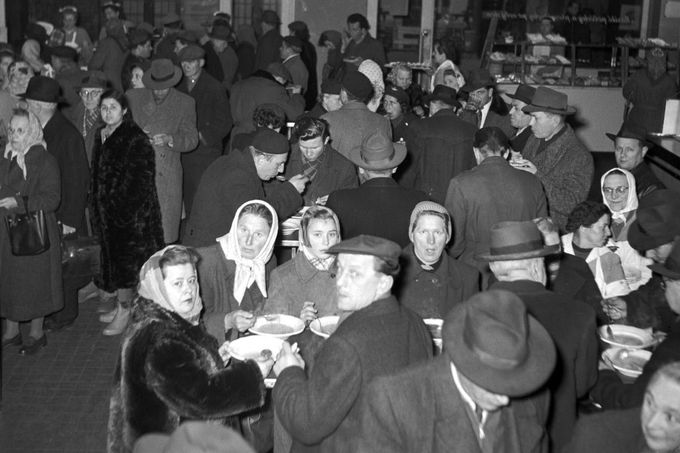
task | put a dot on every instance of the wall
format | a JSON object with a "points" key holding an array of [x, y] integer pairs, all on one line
{"points": [[669, 28]]}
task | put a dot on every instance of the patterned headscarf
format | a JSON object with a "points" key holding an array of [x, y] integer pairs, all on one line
{"points": [[372, 70], [34, 136]]}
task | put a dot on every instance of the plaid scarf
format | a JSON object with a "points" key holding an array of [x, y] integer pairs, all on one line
{"points": [[310, 168], [90, 119]]}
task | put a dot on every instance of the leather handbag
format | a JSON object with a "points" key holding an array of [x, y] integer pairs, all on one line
{"points": [[28, 232]]}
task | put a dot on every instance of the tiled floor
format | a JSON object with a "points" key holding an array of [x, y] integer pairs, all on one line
{"points": [[57, 400]]}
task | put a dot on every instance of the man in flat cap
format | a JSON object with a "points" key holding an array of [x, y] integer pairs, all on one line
{"points": [[377, 337], [353, 122], [238, 177], [516, 256], [473, 397], [270, 40]]}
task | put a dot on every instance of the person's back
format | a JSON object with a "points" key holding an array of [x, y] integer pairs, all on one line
{"points": [[351, 124]]}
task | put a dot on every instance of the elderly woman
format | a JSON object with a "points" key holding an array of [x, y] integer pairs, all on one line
{"points": [[234, 272], [170, 369], [370, 69], [431, 282], [30, 286], [125, 210], [305, 285], [401, 76]]}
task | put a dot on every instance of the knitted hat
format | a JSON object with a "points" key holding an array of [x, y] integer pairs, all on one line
{"points": [[428, 206]]}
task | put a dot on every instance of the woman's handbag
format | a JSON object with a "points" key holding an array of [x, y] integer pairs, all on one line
{"points": [[27, 232]]}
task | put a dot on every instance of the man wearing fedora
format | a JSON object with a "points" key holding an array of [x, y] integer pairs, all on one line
{"points": [[555, 155], [630, 148], [221, 60], [441, 147], [378, 337], [379, 206], [85, 115], [213, 118], [270, 40], [489, 193], [353, 122], [139, 43], [473, 397], [520, 120], [516, 256], [168, 117], [485, 106]]}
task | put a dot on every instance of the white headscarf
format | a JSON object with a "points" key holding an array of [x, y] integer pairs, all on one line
{"points": [[631, 202], [372, 70], [151, 287], [249, 270], [34, 136]]}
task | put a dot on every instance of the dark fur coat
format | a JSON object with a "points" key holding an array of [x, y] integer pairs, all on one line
{"points": [[125, 212], [170, 371]]}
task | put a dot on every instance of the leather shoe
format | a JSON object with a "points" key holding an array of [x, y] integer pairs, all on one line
{"points": [[14, 341], [55, 326], [119, 323], [108, 317], [31, 345]]}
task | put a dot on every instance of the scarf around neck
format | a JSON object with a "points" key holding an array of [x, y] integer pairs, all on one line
{"points": [[34, 136]]}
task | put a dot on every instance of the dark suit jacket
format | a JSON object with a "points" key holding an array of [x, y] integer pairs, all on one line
{"points": [[571, 324], [379, 206], [645, 180], [268, 49], [518, 141], [575, 280], [609, 432], [420, 410], [321, 410], [492, 119]]}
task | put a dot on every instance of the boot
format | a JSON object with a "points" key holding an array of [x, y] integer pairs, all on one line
{"points": [[119, 323], [108, 316]]}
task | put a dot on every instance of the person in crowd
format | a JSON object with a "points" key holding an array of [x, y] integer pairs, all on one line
{"points": [[520, 120], [234, 272], [149, 396], [192, 436], [575, 29], [370, 69], [137, 74], [484, 393], [445, 56], [181, 40], [398, 111], [233, 179], [75, 37], [110, 54], [329, 99], [64, 60], [270, 41], [269, 116], [305, 286], [291, 48], [485, 106], [364, 210], [168, 117], [166, 47], [213, 119], [221, 60], [19, 74], [313, 156], [432, 282], [555, 155], [28, 174], [7, 57], [112, 11], [140, 45], [300, 30], [517, 259], [361, 45], [245, 50], [355, 354], [631, 146], [650, 427], [125, 210], [353, 122], [33, 50], [334, 68], [401, 76], [441, 147], [648, 89], [85, 115], [489, 193]]}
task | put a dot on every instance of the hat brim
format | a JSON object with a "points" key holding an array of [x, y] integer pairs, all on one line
{"points": [[613, 137], [59, 100], [515, 382], [570, 110], [663, 270], [399, 155], [431, 97], [642, 241], [514, 96], [171, 82], [545, 251]]}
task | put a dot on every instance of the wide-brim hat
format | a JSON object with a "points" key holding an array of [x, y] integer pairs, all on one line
{"points": [[657, 220], [523, 93], [377, 152], [444, 94], [494, 342], [631, 130], [365, 244], [94, 80], [478, 78], [221, 31], [161, 75], [549, 100], [44, 89], [514, 240], [671, 267]]}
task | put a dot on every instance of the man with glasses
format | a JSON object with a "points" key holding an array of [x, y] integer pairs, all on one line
{"points": [[85, 114]]}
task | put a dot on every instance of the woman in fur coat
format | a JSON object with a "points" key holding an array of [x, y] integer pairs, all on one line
{"points": [[126, 214], [170, 370]]}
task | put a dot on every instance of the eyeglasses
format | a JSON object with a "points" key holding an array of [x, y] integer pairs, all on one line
{"points": [[618, 190], [12, 131], [91, 93]]}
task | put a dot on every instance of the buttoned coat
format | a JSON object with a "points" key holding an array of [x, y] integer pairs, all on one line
{"points": [[489, 193], [352, 123], [321, 410], [434, 294], [565, 167], [379, 207], [175, 116], [571, 325], [421, 410]]}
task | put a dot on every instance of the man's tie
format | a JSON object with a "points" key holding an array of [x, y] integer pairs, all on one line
{"points": [[479, 119]]}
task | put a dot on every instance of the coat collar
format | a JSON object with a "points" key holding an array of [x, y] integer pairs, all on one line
{"points": [[412, 268], [354, 105], [304, 268], [380, 182]]}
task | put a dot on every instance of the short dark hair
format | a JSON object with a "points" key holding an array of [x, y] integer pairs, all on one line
{"points": [[259, 210], [120, 98], [264, 116], [178, 254], [447, 46], [382, 266], [360, 19], [308, 128], [492, 139], [585, 214]]}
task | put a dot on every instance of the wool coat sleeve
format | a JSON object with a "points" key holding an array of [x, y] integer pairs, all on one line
{"points": [[283, 197], [186, 137], [75, 180], [279, 299], [380, 423], [455, 204]]}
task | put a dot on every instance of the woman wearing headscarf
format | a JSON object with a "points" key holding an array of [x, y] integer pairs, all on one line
{"points": [[370, 69], [305, 286], [234, 272], [170, 368], [19, 73], [30, 286]]}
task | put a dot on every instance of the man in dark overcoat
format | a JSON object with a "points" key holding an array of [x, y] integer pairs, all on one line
{"points": [[213, 119], [238, 177], [320, 408], [473, 397], [270, 42], [570, 323]]}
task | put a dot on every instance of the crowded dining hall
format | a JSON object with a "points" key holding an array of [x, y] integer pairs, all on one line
{"points": [[273, 226]]}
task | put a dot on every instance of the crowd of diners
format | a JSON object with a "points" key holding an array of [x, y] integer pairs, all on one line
{"points": [[186, 154]]}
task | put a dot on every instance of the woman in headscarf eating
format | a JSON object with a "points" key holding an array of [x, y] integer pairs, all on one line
{"points": [[234, 272], [170, 369]]}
